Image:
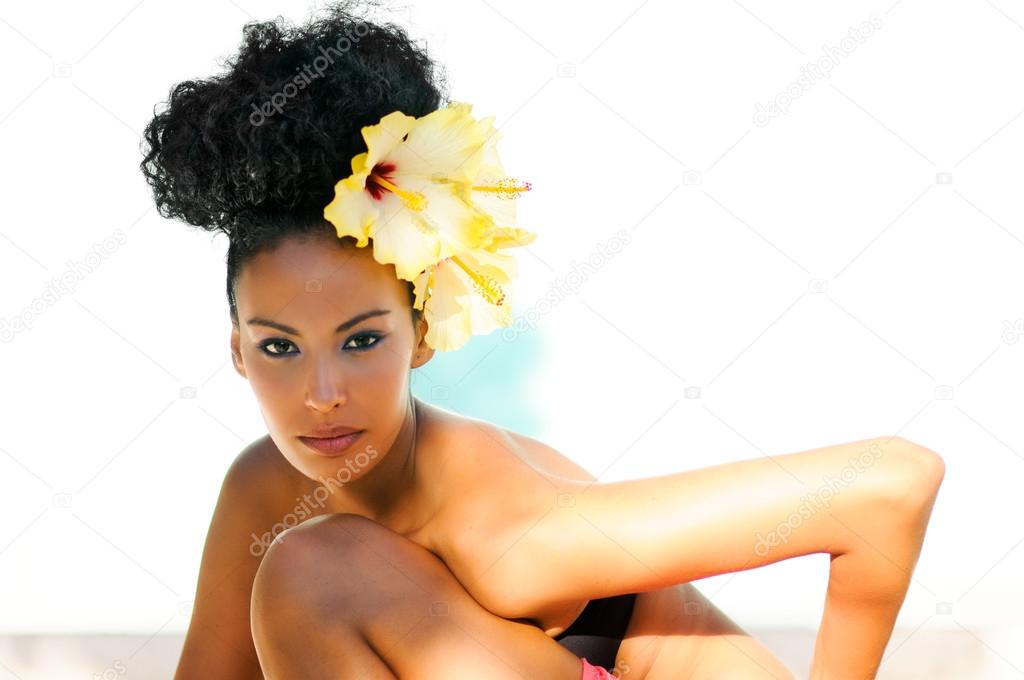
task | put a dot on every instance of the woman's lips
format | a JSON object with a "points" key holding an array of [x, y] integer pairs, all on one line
{"points": [[331, 446]]}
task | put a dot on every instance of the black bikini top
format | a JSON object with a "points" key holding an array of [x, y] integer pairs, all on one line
{"points": [[598, 630]]}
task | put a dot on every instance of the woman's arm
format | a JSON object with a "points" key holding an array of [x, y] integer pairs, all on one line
{"points": [[253, 499], [868, 582], [218, 642], [865, 502]]}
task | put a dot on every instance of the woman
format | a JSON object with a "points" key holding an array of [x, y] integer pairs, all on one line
{"points": [[373, 535]]}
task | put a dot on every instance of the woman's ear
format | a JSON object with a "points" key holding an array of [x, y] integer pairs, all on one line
{"points": [[236, 352], [423, 352]]}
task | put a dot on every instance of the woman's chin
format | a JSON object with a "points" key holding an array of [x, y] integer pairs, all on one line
{"points": [[335, 469]]}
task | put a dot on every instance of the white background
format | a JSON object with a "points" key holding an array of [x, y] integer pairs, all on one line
{"points": [[851, 268]]}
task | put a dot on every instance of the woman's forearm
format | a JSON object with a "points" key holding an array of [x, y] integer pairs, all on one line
{"points": [[868, 583]]}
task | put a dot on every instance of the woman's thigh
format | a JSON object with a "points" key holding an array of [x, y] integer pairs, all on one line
{"points": [[352, 573], [662, 633], [676, 632]]}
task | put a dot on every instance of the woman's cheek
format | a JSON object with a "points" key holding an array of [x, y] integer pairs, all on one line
{"points": [[271, 388]]}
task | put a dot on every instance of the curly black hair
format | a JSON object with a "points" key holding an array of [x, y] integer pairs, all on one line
{"points": [[254, 152]]}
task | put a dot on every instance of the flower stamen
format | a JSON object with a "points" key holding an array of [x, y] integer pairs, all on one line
{"points": [[487, 287], [412, 199], [506, 187]]}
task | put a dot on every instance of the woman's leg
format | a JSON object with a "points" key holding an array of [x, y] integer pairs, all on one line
{"points": [[676, 632], [342, 596]]}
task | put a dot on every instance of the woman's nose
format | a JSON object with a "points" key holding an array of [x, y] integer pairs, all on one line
{"points": [[325, 386]]}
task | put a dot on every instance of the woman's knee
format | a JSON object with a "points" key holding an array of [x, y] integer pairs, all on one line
{"points": [[353, 577], [333, 532], [337, 561]]}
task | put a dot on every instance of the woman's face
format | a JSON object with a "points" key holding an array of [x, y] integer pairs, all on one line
{"points": [[312, 375]]}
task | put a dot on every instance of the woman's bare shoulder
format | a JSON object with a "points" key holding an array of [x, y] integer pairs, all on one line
{"points": [[271, 481], [477, 448], [262, 456], [494, 479], [548, 459], [461, 453]]}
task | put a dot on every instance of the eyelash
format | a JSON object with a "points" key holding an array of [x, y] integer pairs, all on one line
{"points": [[273, 341]]}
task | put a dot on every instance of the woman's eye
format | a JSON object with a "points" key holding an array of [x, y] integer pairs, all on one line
{"points": [[365, 336], [271, 343], [368, 341]]}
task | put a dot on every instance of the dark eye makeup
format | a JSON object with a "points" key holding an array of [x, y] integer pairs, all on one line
{"points": [[375, 337]]}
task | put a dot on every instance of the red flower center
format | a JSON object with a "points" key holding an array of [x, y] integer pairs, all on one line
{"points": [[382, 171]]}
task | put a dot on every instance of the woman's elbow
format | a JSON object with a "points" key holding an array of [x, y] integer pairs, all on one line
{"points": [[919, 477]]}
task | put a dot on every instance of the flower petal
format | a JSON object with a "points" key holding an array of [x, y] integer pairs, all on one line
{"points": [[420, 286], [459, 224], [501, 209], [415, 239], [381, 139], [402, 238], [446, 142], [508, 237], [446, 310], [462, 304], [494, 267], [352, 211]]}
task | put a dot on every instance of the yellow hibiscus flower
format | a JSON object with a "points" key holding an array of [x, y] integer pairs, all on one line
{"points": [[425, 189], [431, 195], [463, 295]]}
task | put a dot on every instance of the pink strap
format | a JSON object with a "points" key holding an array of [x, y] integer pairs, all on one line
{"points": [[591, 672]]}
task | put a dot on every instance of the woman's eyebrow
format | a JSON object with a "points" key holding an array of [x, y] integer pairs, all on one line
{"points": [[341, 327]]}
